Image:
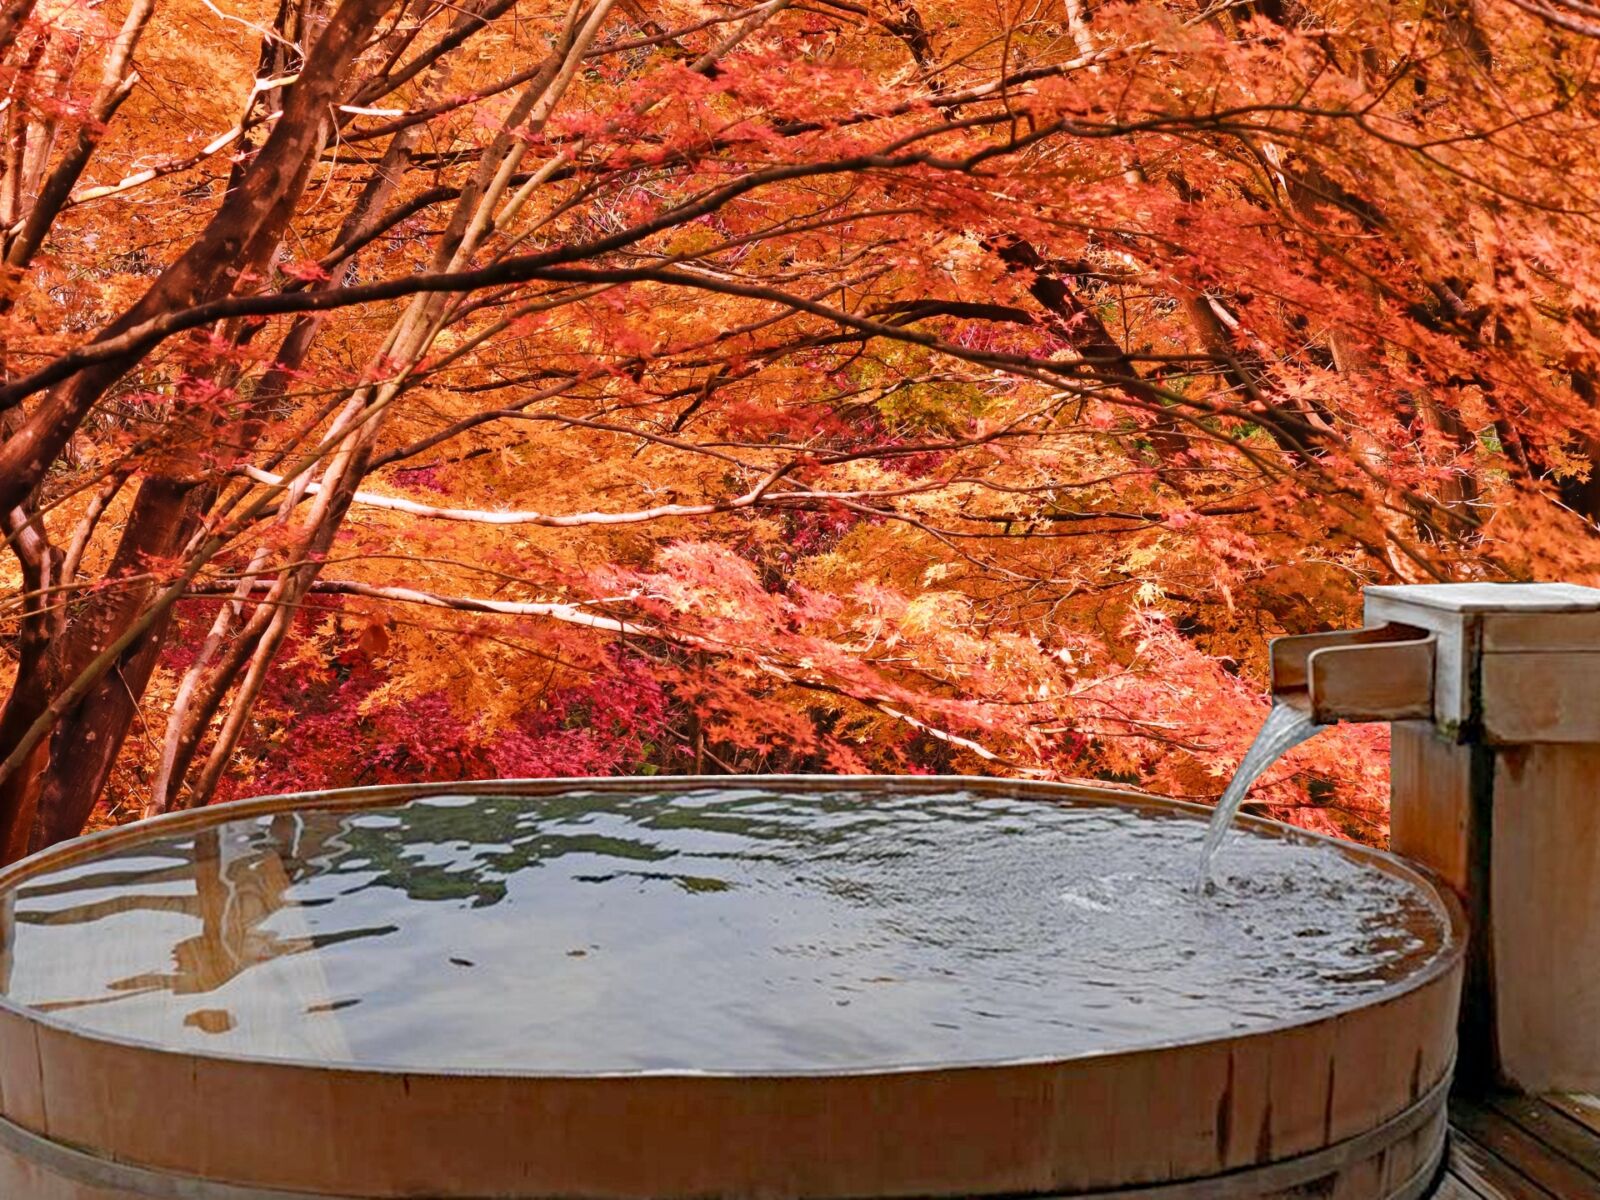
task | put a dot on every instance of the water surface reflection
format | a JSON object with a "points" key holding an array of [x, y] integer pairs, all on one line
{"points": [[710, 930]]}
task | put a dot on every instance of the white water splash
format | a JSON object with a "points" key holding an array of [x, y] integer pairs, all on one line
{"points": [[1285, 728]]}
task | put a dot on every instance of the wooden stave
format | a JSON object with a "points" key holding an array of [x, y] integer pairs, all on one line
{"points": [[1397, 1161]]}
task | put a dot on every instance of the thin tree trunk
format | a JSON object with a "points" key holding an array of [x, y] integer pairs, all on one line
{"points": [[237, 242], [87, 738], [471, 224], [116, 82], [30, 694]]}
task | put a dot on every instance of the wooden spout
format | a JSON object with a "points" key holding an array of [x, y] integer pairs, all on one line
{"points": [[1381, 673]]}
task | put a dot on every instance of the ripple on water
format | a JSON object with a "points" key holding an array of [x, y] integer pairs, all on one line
{"points": [[719, 930]]}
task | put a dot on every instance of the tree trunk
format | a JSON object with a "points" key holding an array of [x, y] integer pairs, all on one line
{"points": [[86, 740]]}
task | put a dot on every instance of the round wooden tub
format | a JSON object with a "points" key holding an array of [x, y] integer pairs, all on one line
{"points": [[1342, 1104]]}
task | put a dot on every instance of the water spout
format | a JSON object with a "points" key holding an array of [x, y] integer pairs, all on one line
{"points": [[1287, 725]]}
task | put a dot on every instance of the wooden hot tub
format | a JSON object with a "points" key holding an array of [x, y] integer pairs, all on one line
{"points": [[144, 1088]]}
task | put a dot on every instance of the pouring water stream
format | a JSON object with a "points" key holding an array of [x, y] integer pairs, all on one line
{"points": [[1286, 727]]}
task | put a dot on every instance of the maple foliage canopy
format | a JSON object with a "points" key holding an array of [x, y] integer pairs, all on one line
{"points": [[394, 388]]}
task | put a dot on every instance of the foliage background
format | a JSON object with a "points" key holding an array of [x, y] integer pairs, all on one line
{"points": [[817, 386]]}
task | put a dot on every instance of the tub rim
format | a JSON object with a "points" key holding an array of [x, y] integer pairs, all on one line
{"points": [[1449, 958]]}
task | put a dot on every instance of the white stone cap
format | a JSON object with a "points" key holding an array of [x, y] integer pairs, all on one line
{"points": [[1491, 597]]}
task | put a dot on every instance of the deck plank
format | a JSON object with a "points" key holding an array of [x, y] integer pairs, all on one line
{"points": [[1453, 1187], [1582, 1108], [1488, 1176], [1524, 1153], [1552, 1125]]}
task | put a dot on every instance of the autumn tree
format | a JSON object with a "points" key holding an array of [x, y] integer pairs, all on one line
{"points": [[393, 388]]}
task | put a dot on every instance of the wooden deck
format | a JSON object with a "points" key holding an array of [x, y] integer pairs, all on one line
{"points": [[1515, 1148]]}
